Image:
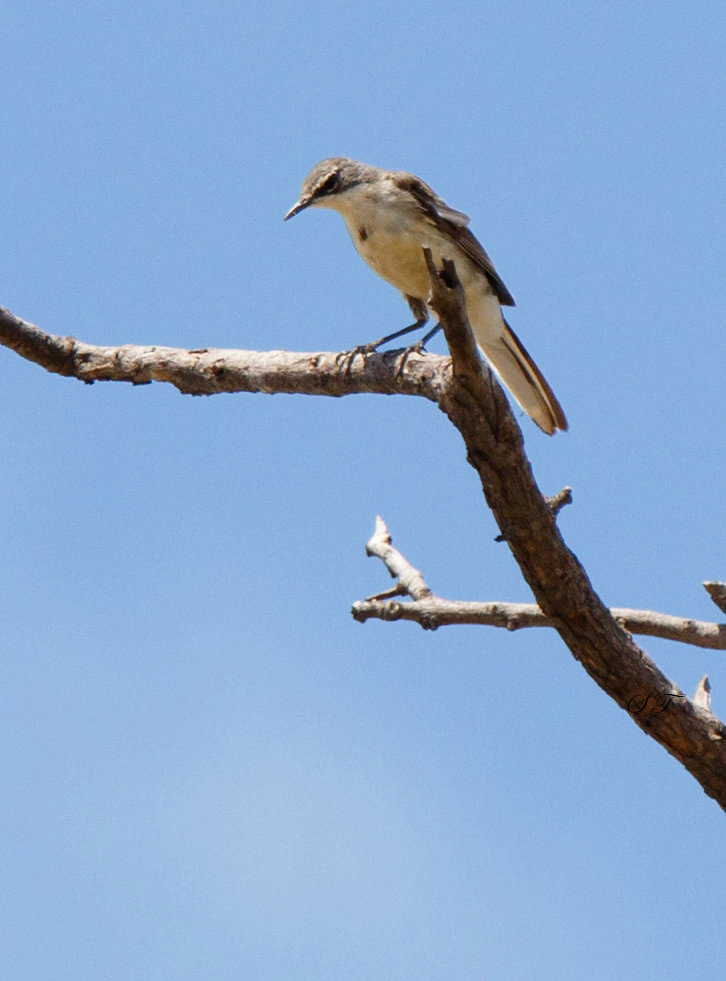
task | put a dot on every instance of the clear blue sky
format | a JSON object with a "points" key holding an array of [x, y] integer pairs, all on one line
{"points": [[209, 770]]}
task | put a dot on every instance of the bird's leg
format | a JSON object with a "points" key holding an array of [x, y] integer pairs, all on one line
{"points": [[392, 337], [418, 348], [420, 312], [363, 349], [427, 337]]}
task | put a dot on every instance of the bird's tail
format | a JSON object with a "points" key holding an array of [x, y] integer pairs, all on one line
{"points": [[525, 381]]}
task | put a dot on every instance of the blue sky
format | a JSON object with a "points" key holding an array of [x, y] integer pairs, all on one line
{"points": [[211, 771]]}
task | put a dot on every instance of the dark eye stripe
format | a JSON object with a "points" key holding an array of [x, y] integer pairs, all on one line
{"points": [[329, 184]]}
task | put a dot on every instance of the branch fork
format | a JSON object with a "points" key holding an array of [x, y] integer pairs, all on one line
{"points": [[431, 611], [467, 392]]}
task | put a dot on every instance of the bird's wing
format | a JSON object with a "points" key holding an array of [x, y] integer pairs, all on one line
{"points": [[454, 224]]}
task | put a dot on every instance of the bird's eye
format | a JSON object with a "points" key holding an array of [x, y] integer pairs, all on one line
{"points": [[330, 183]]}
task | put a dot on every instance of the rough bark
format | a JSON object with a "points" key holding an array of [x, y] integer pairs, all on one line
{"points": [[479, 410], [210, 371]]}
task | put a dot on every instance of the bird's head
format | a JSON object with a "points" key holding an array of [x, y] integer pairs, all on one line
{"points": [[327, 180]]}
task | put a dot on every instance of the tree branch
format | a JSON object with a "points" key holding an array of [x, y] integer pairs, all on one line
{"points": [[717, 592], [702, 695], [467, 392], [479, 410], [210, 371], [431, 611]]}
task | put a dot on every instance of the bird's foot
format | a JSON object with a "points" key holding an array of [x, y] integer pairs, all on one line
{"points": [[418, 348], [345, 359]]}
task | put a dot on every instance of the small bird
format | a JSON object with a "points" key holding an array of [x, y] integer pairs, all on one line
{"points": [[391, 217]]}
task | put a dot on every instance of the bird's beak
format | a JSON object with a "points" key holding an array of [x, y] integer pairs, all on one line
{"points": [[298, 206]]}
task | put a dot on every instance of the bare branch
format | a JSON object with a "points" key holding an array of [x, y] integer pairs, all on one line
{"points": [[387, 594], [717, 592], [560, 500], [702, 696], [476, 405], [210, 371], [410, 580], [467, 392], [699, 633], [432, 611], [438, 612]]}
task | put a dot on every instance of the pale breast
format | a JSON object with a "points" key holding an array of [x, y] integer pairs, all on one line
{"points": [[391, 237], [396, 256]]}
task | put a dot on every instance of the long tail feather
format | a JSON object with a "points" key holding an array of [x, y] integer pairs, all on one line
{"points": [[509, 358]]}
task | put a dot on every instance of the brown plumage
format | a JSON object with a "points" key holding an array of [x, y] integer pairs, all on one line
{"points": [[392, 216]]}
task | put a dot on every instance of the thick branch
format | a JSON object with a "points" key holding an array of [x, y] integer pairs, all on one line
{"points": [[209, 371], [479, 410]]}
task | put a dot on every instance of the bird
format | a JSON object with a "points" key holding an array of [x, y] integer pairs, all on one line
{"points": [[391, 217]]}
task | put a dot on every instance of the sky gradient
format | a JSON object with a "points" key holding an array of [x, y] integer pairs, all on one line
{"points": [[209, 769]]}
